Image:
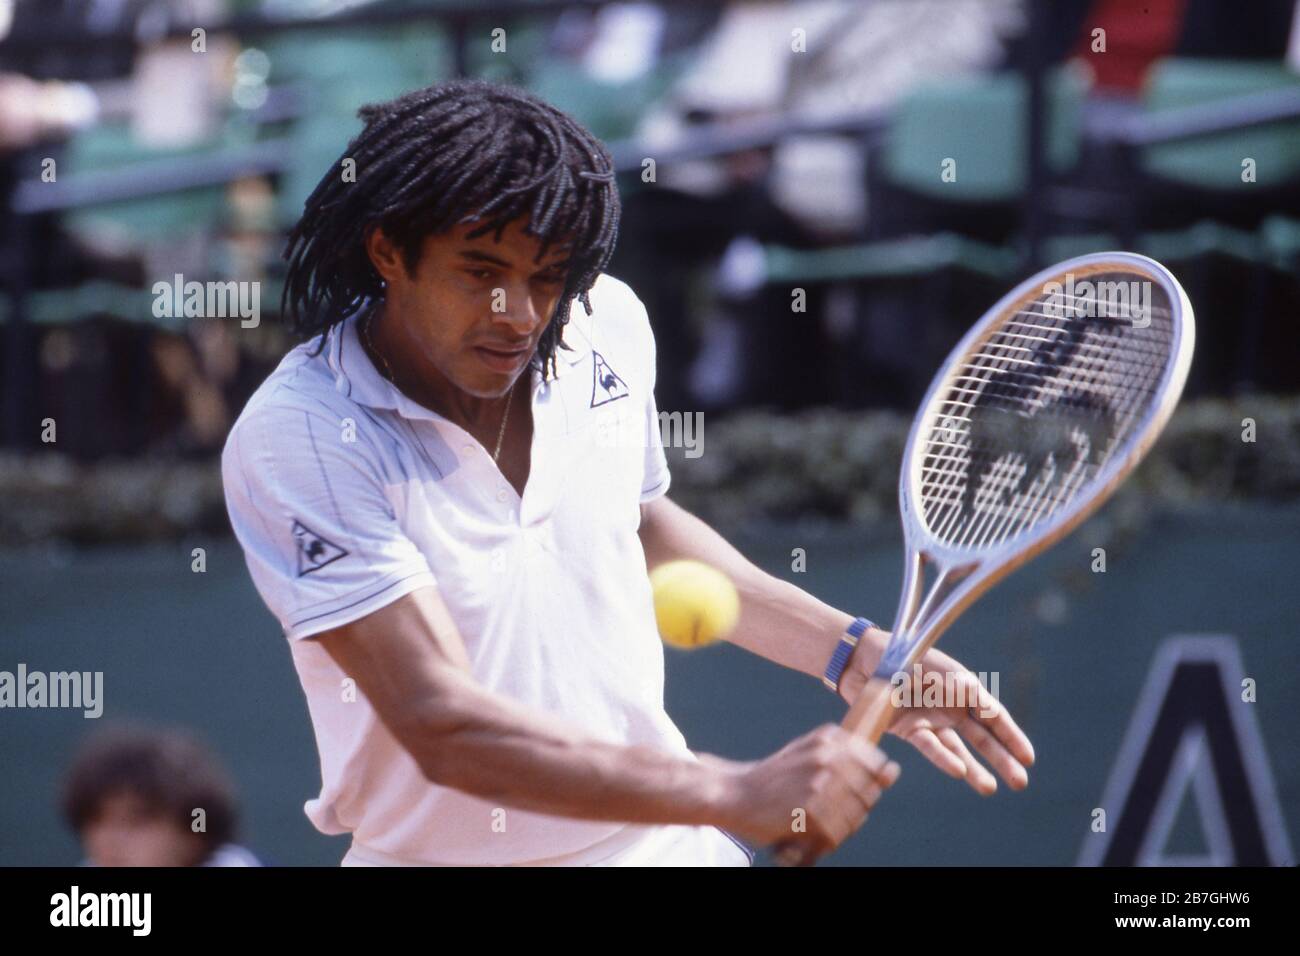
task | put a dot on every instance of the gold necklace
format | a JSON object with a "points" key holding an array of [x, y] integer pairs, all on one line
{"points": [[388, 370], [501, 432]]}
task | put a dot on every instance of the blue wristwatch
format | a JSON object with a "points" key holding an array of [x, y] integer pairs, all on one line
{"points": [[843, 652]]}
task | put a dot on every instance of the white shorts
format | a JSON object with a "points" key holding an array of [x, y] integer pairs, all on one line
{"points": [[634, 846]]}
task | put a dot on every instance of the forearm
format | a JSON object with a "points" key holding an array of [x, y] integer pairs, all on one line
{"points": [[496, 749], [778, 620]]}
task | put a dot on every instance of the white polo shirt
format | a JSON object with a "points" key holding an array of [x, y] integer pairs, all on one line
{"points": [[346, 495]]}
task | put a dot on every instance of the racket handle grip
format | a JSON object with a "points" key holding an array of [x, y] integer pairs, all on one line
{"points": [[873, 711], [869, 718], [791, 854]]}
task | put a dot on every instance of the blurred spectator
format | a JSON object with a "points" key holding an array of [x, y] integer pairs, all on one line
{"points": [[141, 797], [820, 60], [1139, 36], [197, 372], [32, 111], [809, 61]]}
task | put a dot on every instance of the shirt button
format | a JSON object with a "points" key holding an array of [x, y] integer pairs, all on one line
{"points": [[469, 449], [501, 495]]}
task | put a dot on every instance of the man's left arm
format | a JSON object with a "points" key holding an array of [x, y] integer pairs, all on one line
{"points": [[787, 625], [778, 620]]}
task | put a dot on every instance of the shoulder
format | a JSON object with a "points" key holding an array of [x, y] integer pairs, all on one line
{"points": [[296, 417], [617, 334], [612, 293], [618, 317]]}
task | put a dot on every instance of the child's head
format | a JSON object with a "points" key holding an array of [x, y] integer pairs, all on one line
{"points": [[142, 797]]}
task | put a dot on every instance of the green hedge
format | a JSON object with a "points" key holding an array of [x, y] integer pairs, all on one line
{"points": [[843, 466], [47, 497], [823, 465]]}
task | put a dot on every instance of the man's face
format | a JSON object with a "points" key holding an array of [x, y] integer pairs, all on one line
{"points": [[474, 309], [126, 832]]}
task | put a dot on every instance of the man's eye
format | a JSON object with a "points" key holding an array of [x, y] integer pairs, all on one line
{"points": [[483, 274], [552, 278]]}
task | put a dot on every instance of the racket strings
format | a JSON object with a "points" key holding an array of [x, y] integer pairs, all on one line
{"points": [[1002, 386], [1033, 415], [994, 519]]}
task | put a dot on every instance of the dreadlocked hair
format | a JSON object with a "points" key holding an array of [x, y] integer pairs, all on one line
{"points": [[457, 152]]}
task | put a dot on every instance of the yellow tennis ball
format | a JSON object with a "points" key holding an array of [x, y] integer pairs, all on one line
{"points": [[694, 603]]}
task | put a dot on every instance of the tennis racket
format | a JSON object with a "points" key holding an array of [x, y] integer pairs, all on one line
{"points": [[1036, 417]]}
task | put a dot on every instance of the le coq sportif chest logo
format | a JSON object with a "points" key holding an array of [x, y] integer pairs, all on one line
{"points": [[606, 386]]}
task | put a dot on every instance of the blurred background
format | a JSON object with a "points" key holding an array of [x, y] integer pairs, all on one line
{"points": [[819, 198]]}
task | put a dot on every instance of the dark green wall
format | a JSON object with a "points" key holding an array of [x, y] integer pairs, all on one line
{"points": [[200, 650]]}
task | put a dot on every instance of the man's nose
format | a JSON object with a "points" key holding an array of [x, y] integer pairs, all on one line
{"points": [[521, 308]]}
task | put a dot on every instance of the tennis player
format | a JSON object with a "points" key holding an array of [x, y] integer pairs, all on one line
{"points": [[437, 499]]}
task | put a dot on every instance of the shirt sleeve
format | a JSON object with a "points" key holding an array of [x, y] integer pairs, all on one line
{"points": [[321, 538], [657, 477]]}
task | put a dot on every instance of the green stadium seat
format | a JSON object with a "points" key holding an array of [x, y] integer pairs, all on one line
{"points": [[895, 258], [101, 150], [1281, 237], [1201, 239], [61, 306], [611, 111], [981, 124], [1214, 162], [342, 72], [1275, 244], [1059, 248]]}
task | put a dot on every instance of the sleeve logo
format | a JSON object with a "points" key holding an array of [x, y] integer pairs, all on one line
{"points": [[314, 551]]}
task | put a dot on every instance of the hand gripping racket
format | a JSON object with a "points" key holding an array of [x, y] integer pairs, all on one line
{"points": [[1039, 413]]}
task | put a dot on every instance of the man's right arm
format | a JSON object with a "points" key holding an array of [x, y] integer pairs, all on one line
{"points": [[409, 660]]}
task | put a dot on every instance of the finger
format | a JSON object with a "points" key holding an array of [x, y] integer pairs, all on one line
{"points": [[889, 775], [875, 762], [804, 849], [838, 825], [810, 852], [793, 854], [934, 751], [869, 755], [853, 781], [841, 804], [841, 813], [821, 819], [996, 719], [787, 854], [999, 757], [832, 812], [871, 796], [977, 775]]}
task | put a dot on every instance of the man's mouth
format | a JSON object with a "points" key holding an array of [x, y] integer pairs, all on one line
{"points": [[503, 359]]}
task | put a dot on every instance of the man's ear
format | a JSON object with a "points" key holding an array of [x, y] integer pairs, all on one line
{"points": [[384, 254]]}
